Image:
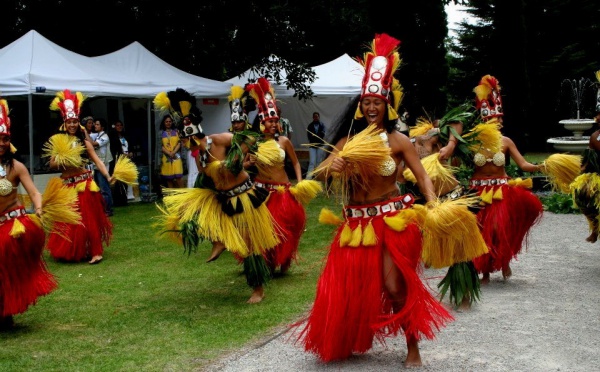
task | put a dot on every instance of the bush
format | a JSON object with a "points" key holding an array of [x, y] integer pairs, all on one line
{"points": [[559, 203]]}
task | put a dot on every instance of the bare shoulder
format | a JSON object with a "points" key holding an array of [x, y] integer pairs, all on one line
{"points": [[221, 138], [398, 141]]}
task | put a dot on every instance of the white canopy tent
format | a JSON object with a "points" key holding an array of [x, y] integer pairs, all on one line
{"points": [[337, 83], [33, 65]]}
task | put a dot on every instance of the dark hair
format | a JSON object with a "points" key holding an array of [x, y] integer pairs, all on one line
{"points": [[103, 123], [345, 124], [162, 122], [121, 133]]}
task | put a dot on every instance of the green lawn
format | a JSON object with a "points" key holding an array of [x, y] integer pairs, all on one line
{"points": [[149, 306]]}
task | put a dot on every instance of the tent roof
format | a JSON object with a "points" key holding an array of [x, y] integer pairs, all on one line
{"points": [[33, 61], [152, 75], [339, 77]]}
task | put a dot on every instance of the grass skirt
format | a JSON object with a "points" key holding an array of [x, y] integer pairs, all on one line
{"points": [[290, 216], [352, 306], [79, 242], [505, 224], [23, 273]]}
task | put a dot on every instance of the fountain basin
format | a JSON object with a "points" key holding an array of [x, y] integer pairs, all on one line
{"points": [[577, 126], [573, 144]]}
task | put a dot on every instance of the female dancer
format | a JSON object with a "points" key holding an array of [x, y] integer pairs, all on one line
{"points": [[70, 152]]}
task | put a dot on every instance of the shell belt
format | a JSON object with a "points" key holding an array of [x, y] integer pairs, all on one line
{"points": [[373, 210], [12, 214], [78, 178]]}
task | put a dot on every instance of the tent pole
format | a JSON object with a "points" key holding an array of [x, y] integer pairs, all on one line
{"points": [[150, 145], [30, 108]]}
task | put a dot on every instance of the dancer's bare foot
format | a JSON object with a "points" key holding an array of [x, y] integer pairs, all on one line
{"points": [[466, 303], [217, 249], [257, 295], [413, 356], [592, 238], [96, 259], [485, 279], [506, 272]]}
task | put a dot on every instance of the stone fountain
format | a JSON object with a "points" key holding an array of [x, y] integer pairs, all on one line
{"points": [[576, 143]]}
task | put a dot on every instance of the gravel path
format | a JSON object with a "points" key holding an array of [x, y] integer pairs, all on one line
{"points": [[546, 317]]}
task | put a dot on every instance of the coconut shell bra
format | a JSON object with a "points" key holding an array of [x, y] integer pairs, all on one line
{"points": [[498, 159], [6, 187]]}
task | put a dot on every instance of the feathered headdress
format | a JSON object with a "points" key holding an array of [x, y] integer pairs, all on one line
{"points": [[487, 98], [68, 104], [4, 119], [380, 63], [264, 95], [181, 104], [237, 103], [5, 122]]}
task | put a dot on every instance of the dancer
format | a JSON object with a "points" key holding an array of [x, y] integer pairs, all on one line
{"points": [[24, 276], [511, 209], [585, 188], [225, 207], [284, 201], [69, 152], [370, 286]]}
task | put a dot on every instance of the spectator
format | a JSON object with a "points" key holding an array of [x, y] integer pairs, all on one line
{"points": [[316, 134], [101, 143]]}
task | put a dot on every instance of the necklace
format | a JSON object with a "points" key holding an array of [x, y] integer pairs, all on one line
{"points": [[6, 186]]}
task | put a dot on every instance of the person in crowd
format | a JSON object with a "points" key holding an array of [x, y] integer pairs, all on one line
{"points": [[69, 151], [24, 276], [511, 209], [171, 170], [286, 126], [284, 200], [101, 142], [370, 286], [119, 146], [88, 123], [316, 135], [225, 207]]}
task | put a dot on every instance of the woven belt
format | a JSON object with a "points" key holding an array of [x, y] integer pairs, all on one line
{"points": [[270, 186], [247, 185], [489, 182], [380, 209], [12, 214], [79, 178]]}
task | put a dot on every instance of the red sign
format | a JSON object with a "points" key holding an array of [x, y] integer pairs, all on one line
{"points": [[210, 101]]}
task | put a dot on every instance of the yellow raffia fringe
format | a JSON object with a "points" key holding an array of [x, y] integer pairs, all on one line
{"points": [[327, 217], [268, 154], [423, 125], [65, 149], [59, 204], [306, 190], [519, 182], [451, 233], [441, 175], [400, 220], [125, 171], [25, 201], [17, 229], [369, 238], [498, 194], [364, 153], [587, 184], [345, 236], [486, 196], [485, 135], [356, 237], [256, 224], [561, 170]]}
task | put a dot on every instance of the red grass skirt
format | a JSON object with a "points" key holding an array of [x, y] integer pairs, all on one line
{"points": [[80, 242], [505, 226], [290, 216], [352, 306], [23, 273]]}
